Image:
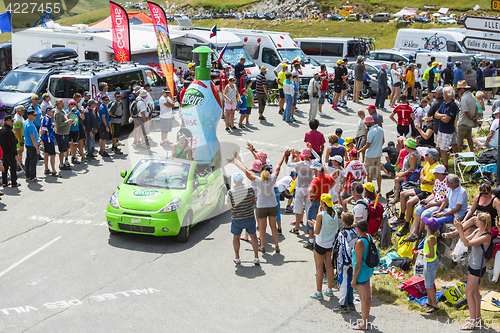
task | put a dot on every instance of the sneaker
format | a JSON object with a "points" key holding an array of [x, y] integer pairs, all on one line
{"points": [[288, 209], [316, 295], [15, 185], [237, 261], [64, 167], [228, 129], [322, 113], [308, 245], [256, 261], [83, 160], [281, 112], [404, 230], [74, 160], [66, 163], [233, 127], [117, 151], [262, 118], [329, 292], [351, 307], [341, 309], [35, 180], [104, 154], [241, 126], [335, 107], [397, 222], [119, 144]]}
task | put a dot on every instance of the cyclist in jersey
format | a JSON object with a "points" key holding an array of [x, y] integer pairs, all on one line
{"points": [[403, 111]]}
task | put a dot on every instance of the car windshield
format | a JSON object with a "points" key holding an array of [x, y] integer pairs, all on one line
{"points": [[291, 54], [233, 56], [19, 81], [160, 173]]}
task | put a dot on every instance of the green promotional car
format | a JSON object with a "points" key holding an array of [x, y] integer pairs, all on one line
{"points": [[165, 197]]}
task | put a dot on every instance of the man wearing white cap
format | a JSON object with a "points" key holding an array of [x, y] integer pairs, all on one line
{"points": [[277, 69], [491, 141], [240, 201], [141, 117]]}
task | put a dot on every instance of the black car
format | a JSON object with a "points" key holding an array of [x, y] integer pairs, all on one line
{"points": [[460, 21], [336, 17], [217, 16], [260, 16], [269, 16], [421, 19]]}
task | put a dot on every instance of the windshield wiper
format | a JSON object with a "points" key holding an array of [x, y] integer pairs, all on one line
{"points": [[16, 90]]}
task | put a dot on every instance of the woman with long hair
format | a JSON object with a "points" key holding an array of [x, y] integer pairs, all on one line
{"points": [[325, 228], [479, 241], [267, 205], [396, 85]]}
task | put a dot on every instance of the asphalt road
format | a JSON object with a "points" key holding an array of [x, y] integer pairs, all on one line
{"points": [[61, 270]]}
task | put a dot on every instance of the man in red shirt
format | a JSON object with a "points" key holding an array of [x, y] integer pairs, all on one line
{"points": [[322, 183], [323, 76], [403, 111], [315, 137]]}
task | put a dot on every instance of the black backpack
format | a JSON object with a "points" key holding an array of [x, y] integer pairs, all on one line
{"points": [[488, 156], [134, 110], [488, 253], [373, 257]]}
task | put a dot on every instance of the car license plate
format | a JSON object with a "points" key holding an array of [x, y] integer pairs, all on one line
{"points": [[135, 220]]}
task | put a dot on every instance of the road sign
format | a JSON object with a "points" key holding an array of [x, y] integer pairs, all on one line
{"points": [[482, 44], [495, 5], [490, 24]]}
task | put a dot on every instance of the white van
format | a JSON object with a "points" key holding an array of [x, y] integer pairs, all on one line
{"points": [[469, 63], [83, 77], [445, 40], [328, 50]]}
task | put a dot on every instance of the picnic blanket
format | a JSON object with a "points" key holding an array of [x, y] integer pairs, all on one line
{"points": [[486, 302], [422, 301]]}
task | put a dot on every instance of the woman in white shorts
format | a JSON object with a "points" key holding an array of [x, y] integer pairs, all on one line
{"points": [[231, 96]]}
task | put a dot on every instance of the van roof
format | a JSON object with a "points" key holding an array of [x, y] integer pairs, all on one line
{"points": [[280, 39], [97, 69], [326, 39]]}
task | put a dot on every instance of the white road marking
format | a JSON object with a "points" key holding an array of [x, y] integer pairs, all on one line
{"points": [[29, 256]]}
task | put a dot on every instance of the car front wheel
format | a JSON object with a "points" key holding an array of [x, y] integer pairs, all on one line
{"points": [[183, 235]]}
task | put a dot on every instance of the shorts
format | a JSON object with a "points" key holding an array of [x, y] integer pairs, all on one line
{"points": [[464, 132], [103, 134], [443, 141], [243, 111], [358, 85], [249, 110], [302, 201], [389, 167], [62, 142], [49, 148], [321, 250], [397, 85], [322, 94], [74, 136], [81, 132], [403, 130], [116, 130], [418, 85], [430, 87], [373, 166], [312, 213], [265, 212], [477, 272], [344, 87], [230, 106], [490, 144], [250, 225], [166, 125], [430, 273], [421, 194], [282, 93], [338, 88], [295, 98], [362, 283], [454, 140]]}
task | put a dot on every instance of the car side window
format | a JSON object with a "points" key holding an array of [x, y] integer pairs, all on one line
{"points": [[270, 57], [153, 78]]}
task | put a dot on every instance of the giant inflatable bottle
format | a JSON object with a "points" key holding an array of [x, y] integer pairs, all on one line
{"points": [[201, 109]]}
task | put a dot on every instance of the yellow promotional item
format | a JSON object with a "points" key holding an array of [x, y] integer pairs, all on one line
{"points": [[292, 186], [456, 295]]}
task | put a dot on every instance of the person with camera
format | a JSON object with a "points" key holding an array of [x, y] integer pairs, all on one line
{"points": [[359, 73], [313, 92]]}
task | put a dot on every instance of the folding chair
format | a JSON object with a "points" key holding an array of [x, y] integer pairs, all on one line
{"points": [[465, 160]]}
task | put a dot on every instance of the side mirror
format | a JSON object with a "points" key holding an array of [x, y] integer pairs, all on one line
{"points": [[123, 173], [202, 181]]}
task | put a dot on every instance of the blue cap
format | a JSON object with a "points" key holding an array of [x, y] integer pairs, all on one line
{"points": [[293, 174], [451, 64], [238, 177]]}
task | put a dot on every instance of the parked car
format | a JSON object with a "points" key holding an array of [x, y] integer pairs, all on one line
{"points": [[461, 21], [381, 17], [352, 17], [269, 16], [447, 20], [389, 56], [371, 88], [336, 17], [421, 19]]}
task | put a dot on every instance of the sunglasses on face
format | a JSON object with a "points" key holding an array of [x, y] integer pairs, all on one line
{"points": [[35, 99], [484, 193], [72, 104]]}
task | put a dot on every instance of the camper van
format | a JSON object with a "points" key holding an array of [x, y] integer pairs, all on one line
{"points": [[469, 63], [269, 48], [328, 50], [447, 40]]}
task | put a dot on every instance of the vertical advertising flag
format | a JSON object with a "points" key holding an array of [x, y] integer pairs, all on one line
{"points": [[164, 46], [121, 32]]}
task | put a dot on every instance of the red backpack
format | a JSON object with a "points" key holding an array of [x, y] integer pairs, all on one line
{"points": [[375, 216]]}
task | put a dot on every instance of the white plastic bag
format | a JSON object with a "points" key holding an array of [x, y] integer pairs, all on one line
{"points": [[459, 252], [420, 266], [496, 268]]}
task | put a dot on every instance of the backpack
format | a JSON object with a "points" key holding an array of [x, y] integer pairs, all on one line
{"points": [[488, 253], [112, 107], [375, 216], [488, 156], [134, 110], [373, 257]]}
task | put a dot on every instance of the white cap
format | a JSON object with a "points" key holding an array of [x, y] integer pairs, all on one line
{"points": [[495, 111], [336, 158], [439, 169], [286, 60], [143, 93], [237, 177], [225, 66]]}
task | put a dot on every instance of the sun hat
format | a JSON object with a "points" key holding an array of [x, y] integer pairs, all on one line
{"points": [[369, 187], [256, 165], [263, 68], [336, 158], [166, 89], [348, 141], [369, 119], [432, 152], [286, 60], [143, 92], [71, 101], [327, 199], [438, 169], [237, 177], [440, 64], [462, 84], [306, 152], [226, 66], [431, 223], [262, 156], [411, 142], [137, 89], [315, 74], [231, 78]]}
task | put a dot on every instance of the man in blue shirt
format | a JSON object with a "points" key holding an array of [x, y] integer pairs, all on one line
{"points": [[74, 130], [31, 144], [446, 114], [49, 148], [373, 148], [103, 126], [458, 74], [455, 203], [38, 119]]}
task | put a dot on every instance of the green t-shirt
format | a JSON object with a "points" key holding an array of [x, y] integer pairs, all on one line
{"points": [[249, 97], [281, 78]]}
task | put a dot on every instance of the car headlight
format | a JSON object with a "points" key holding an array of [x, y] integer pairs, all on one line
{"points": [[171, 206], [113, 202]]}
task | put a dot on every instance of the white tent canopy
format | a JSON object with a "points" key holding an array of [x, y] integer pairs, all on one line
{"points": [[443, 10], [407, 11]]}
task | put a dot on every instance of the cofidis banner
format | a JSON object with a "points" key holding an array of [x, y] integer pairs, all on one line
{"points": [[164, 46], [121, 32]]}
